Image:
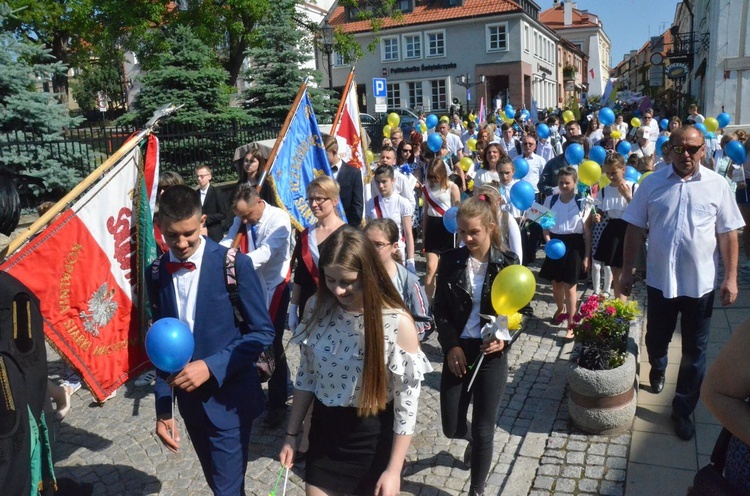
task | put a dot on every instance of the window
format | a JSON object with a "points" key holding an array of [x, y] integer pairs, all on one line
{"points": [[389, 49], [526, 38], [338, 59], [404, 6], [415, 94], [394, 95], [497, 37], [412, 46], [438, 98], [435, 41]]}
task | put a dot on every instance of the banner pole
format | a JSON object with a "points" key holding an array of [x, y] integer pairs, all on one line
{"points": [[342, 102]]}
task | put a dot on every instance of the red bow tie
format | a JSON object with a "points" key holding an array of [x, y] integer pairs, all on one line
{"points": [[173, 267]]}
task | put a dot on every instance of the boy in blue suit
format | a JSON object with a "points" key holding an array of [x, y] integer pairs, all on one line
{"points": [[218, 392]]}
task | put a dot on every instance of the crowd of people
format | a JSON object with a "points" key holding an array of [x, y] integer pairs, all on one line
{"points": [[348, 289]]}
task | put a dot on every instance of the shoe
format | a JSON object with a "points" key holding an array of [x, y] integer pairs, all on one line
{"points": [[467, 455], [145, 379], [274, 418], [683, 427], [72, 384], [656, 378], [112, 395]]}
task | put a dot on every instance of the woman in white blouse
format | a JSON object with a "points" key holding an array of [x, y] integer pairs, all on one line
{"points": [[356, 319]]}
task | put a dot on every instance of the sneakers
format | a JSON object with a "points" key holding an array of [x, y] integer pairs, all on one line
{"points": [[112, 395], [146, 379]]}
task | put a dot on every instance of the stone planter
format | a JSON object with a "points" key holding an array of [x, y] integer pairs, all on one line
{"points": [[604, 401]]}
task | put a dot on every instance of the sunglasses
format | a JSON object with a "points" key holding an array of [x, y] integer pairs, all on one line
{"points": [[407, 150], [692, 150]]}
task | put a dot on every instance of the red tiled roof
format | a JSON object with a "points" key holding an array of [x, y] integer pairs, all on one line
{"points": [[427, 13], [554, 19]]}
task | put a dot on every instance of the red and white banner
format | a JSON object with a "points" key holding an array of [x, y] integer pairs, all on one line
{"points": [[348, 132], [84, 268]]}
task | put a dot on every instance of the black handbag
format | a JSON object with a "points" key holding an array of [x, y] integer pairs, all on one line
{"points": [[710, 481]]}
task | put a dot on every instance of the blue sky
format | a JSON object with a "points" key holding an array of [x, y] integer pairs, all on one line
{"points": [[628, 23]]}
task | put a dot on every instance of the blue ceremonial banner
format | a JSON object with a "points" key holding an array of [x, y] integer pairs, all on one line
{"points": [[299, 159]]}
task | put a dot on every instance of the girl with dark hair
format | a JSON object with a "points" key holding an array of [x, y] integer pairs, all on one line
{"points": [[250, 170], [488, 173], [462, 302], [358, 340]]}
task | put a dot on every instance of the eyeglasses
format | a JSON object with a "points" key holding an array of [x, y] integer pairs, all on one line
{"points": [[380, 246], [692, 150], [201, 176], [646, 117], [317, 200]]}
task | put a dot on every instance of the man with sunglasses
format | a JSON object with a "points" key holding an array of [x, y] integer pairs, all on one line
{"points": [[691, 214], [651, 125]]}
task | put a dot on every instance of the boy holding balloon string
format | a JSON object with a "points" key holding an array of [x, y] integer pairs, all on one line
{"points": [[218, 392], [573, 228]]}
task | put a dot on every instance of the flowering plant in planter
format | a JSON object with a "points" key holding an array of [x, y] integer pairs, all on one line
{"points": [[601, 332]]}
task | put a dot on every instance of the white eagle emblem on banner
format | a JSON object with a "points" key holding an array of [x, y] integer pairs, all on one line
{"points": [[102, 308]]}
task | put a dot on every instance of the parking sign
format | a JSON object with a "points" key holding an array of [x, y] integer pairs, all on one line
{"points": [[379, 88]]}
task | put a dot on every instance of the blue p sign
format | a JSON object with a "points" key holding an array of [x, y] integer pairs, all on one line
{"points": [[378, 87]]}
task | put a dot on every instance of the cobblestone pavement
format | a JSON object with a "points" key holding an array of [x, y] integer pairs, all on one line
{"points": [[537, 451]]}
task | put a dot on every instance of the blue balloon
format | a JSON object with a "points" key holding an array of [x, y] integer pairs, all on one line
{"points": [[637, 113], [701, 127], [632, 174], [543, 131], [598, 154], [510, 115], [724, 119], [435, 142], [450, 219], [664, 124], [736, 152], [509, 109], [522, 195], [710, 135], [623, 148], [574, 154], [606, 116], [555, 249], [431, 121], [521, 166], [660, 143], [169, 344]]}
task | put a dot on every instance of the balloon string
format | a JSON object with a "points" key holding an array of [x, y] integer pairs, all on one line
{"points": [[171, 431], [476, 370], [286, 479]]}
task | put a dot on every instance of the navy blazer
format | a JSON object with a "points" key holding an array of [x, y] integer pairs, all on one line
{"points": [[233, 392], [351, 193]]}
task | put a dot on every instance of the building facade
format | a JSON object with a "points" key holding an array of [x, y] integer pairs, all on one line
{"points": [[586, 32], [461, 51]]}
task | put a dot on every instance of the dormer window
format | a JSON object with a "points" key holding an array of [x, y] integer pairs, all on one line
{"points": [[405, 6]]}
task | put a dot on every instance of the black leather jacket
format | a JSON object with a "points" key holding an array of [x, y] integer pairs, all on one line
{"points": [[452, 304]]}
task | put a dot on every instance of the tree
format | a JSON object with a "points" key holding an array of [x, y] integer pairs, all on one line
{"points": [[29, 117], [186, 73], [279, 49]]}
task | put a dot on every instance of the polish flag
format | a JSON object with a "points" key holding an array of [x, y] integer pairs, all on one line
{"points": [[348, 132], [87, 269]]}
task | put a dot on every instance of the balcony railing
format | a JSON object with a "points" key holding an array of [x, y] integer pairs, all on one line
{"points": [[688, 44]]}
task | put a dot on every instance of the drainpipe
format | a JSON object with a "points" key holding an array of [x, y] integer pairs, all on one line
{"points": [[692, 43]]}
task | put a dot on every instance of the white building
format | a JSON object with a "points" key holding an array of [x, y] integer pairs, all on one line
{"points": [[498, 45], [586, 31]]}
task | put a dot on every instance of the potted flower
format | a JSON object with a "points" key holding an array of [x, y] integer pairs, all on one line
{"points": [[601, 374]]}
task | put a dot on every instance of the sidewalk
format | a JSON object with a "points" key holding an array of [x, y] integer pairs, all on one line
{"points": [[537, 451]]}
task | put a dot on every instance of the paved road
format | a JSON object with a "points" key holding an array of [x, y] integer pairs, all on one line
{"points": [[113, 446]]}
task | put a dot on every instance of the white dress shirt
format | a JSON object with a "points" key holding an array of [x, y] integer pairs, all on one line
{"points": [[510, 148], [453, 143], [271, 252], [185, 284], [545, 149], [403, 186], [536, 166], [683, 216], [203, 193]]}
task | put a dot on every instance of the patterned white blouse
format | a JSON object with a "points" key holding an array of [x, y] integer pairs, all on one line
{"points": [[332, 360]]}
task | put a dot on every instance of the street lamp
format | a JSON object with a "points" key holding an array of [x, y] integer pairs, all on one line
{"points": [[327, 34], [465, 81]]}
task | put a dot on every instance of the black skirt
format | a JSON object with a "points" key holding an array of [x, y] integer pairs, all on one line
{"points": [[609, 249], [347, 453], [437, 238], [568, 268]]}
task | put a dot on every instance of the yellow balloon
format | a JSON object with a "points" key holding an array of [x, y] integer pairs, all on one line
{"points": [[568, 116], [394, 119], [512, 289], [471, 144], [445, 118], [421, 202], [470, 185], [466, 163], [645, 175], [466, 123], [603, 181], [369, 156], [711, 124], [423, 127], [387, 131], [589, 172], [635, 122], [617, 134]]}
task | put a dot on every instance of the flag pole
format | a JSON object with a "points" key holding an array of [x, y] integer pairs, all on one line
{"points": [[282, 134], [88, 181], [342, 102]]}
